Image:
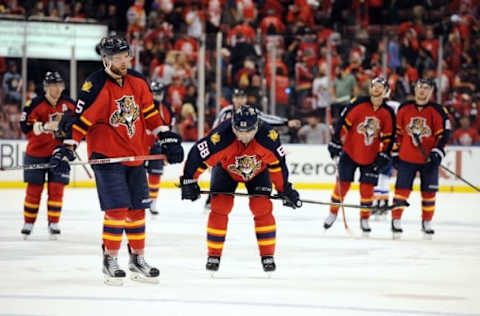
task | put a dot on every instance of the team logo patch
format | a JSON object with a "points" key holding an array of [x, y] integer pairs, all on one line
{"points": [[215, 138], [418, 126], [369, 129], [128, 112], [273, 135], [245, 166], [86, 86]]}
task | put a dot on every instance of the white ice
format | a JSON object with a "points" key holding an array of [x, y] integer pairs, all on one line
{"points": [[317, 273]]}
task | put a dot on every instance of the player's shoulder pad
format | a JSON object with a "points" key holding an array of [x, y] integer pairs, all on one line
{"points": [[67, 98], [138, 75], [221, 136], [32, 104], [442, 110], [92, 86], [267, 136]]}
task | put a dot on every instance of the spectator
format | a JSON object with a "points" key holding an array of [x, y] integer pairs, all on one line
{"points": [[466, 135], [316, 131], [321, 90], [12, 81], [344, 87]]}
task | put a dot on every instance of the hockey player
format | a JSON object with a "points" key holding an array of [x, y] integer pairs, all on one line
{"points": [[39, 122], [240, 98], [425, 122], [155, 167], [249, 152], [114, 110], [367, 129]]}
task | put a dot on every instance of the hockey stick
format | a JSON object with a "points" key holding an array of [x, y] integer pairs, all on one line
{"points": [[279, 197], [84, 167], [424, 154], [89, 162]]}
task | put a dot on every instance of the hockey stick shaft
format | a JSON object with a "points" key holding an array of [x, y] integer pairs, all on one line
{"points": [[279, 197], [101, 161], [89, 175], [424, 154], [337, 183]]}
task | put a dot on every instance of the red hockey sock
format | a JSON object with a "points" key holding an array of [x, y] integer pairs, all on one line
{"points": [[428, 205], [135, 230], [54, 204], [32, 202], [113, 225], [337, 197], [366, 199], [265, 227], [153, 185], [401, 196], [221, 206]]}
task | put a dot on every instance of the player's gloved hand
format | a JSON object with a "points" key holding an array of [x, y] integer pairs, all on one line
{"points": [[435, 158], [381, 161], [156, 148], [64, 128], [290, 196], [190, 189], [60, 158], [172, 146], [334, 148]]}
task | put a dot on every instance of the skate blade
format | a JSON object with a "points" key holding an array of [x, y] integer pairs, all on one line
{"points": [[138, 277], [427, 236], [53, 237], [25, 236], [269, 274], [113, 281], [366, 234], [396, 236], [211, 274]]}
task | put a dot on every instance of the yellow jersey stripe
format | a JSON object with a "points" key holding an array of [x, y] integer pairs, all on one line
{"points": [[112, 222], [54, 213], [151, 114], [31, 205], [214, 245], [31, 215], [84, 120], [266, 242], [274, 169], [54, 203], [78, 128], [136, 223], [112, 237], [148, 109], [265, 228], [135, 237], [216, 231]]}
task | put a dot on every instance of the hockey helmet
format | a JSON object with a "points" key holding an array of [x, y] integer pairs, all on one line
{"points": [[426, 81], [52, 77], [239, 93], [112, 45], [245, 119]]}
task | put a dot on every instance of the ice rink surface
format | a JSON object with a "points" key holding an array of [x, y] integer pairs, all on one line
{"points": [[317, 273]]}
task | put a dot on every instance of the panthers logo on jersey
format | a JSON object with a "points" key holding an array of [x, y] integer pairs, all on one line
{"points": [[245, 166], [369, 129], [127, 114], [418, 126]]}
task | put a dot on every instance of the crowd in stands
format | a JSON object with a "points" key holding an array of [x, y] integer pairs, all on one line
{"points": [[309, 36]]}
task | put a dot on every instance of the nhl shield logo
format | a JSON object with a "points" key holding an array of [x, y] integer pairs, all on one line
{"points": [[127, 114], [245, 166], [418, 126], [369, 129]]}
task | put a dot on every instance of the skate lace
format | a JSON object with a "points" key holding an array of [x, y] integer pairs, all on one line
{"points": [[140, 261], [113, 263]]}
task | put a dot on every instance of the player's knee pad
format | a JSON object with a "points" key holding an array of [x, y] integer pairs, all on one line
{"points": [[34, 191], [55, 191], [366, 190], [260, 205], [222, 204]]}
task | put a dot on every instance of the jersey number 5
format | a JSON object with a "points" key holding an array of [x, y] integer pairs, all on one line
{"points": [[203, 149], [79, 107]]}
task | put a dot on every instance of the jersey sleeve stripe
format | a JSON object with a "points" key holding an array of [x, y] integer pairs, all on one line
{"points": [[78, 128], [439, 132], [275, 169], [84, 120], [149, 115], [148, 108]]}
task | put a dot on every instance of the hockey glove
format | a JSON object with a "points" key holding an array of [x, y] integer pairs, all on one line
{"points": [[60, 158], [334, 148], [64, 129], [290, 196], [190, 189], [381, 161], [156, 148], [435, 157], [172, 146]]}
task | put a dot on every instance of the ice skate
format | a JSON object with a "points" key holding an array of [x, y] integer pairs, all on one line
{"points": [[427, 230], [329, 220], [141, 270], [396, 229], [27, 230], [365, 226], [153, 207], [54, 231], [213, 264], [268, 265], [111, 270], [380, 213]]}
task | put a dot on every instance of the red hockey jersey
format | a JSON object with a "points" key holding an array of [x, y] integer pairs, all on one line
{"points": [[241, 162], [429, 122], [365, 131], [113, 118], [40, 110]]}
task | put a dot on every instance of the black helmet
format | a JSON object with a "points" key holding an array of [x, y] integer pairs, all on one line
{"points": [[380, 80], [112, 45], [239, 93], [245, 118], [52, 77], [425, 81], [157, 87]]}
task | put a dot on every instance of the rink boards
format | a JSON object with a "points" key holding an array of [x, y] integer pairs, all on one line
{"points": [[310, 167]]}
